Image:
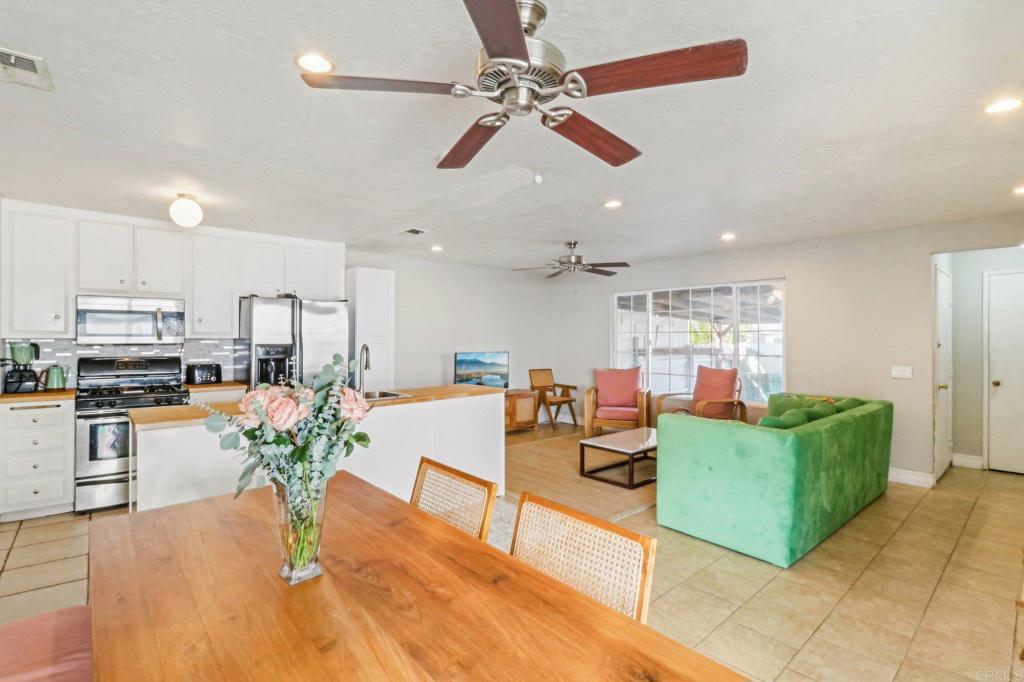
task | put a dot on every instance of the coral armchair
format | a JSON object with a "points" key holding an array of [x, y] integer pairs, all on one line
{"points": [[617, 401], [716, 395]]}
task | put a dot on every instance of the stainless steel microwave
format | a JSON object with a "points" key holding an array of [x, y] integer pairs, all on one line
{"points": [[115, 319]]}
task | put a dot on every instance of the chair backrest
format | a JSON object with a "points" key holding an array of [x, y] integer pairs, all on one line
{"points": [[457, 498], [618, 387], [610, 564], [541, 378], [716, 384]]}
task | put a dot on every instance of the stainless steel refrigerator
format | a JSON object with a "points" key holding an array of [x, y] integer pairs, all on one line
{"points": [[288, 336]]}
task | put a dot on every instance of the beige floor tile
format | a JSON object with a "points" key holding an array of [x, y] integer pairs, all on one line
{"points": [[865, 638], [919, 555], [56, 531], [53, 518], [914, 670], [893, 508], [7, 538], [907, 569], [916, 538], [48, 551], [877, 529], [998, 608], [928, 524], [687, 614], [9, 526], [748, 567], [812, 601], [778, 622], [990, 557], [821, 660], [839, 560], [997, 530], [850, 541], [747, 650], [960, 655], [912, 594], [725, 584], [885, 612], [989, 583], [27, 604], [34, 577], [3, 557], [810, 573], [969, 625], [789, 675]]}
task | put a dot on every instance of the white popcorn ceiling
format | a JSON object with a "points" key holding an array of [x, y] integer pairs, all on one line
{"points": [[854, 115]]}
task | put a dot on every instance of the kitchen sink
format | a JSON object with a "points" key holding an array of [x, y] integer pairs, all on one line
{"points": [[371, 396]]}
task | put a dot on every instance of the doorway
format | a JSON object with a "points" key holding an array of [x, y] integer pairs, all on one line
{"points": [[1004, 370], [943, 371]]}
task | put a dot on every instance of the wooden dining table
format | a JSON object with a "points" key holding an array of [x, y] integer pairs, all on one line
{"points": [[192, 592]]}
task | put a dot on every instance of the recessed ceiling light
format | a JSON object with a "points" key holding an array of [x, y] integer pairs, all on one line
{"points": [[1002, 105], [186, 211], [437, 248], [314, 62], [538, 178], [728, 237], [613, 203]]}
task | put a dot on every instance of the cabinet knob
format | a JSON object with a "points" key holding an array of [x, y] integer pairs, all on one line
{"points": [[35, 492], [56, 316], [144, 282], [35, 420], [122, 281], [35, 466], [199, 320], [35, 442], [997, 383]]}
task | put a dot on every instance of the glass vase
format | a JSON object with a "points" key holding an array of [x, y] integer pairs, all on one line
{"points": [[299, 532]]}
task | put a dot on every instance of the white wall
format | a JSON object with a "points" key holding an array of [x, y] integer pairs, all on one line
{"points": [[855, 305], [969, 381], [442, 308]]}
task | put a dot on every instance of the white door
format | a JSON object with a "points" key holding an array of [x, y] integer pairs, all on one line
{"points": [[213, 296], [40, 256], [943, 371], [259, 268], [306, 272], [1005, 364], [159, 261], [105, 256]]}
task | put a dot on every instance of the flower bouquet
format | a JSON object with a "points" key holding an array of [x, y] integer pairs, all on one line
{"points": [[295, 434]]}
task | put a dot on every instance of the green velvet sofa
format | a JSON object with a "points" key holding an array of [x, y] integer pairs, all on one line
{"points": [[772, 493]]}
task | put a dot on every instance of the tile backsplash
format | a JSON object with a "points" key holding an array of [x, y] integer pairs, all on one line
{"points": [[67, 351]]}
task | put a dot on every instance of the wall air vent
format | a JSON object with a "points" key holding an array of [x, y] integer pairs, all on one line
{"points": [[16, 67]]}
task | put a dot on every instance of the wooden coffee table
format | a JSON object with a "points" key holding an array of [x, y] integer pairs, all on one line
{"points": [[635, 445]]}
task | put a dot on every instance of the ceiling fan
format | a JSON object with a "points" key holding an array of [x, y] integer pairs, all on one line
{"points": [[522, 73], [572, 262]]}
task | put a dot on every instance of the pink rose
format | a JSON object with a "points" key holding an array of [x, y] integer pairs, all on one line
{"points": [[305, 398], [351, 406], [282, 413], [259, 398]]}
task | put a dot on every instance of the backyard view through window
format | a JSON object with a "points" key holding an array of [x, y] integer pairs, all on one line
{"points": [[670, 332]]}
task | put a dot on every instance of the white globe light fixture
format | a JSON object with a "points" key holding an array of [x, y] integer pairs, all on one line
{"points": [[186, 211]]}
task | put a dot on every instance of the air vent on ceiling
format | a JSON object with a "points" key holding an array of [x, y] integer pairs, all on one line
{"points": [[16, 67], [414, 231]]}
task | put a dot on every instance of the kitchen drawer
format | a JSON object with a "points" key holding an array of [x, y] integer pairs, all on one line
{"points": [[35, 466], [31, 417], [32, 493], [25, 442]]}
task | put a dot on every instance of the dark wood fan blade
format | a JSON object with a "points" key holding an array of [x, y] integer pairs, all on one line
{"points": [[687, 65], [603, 273], [600, 142], [472, 141], [555, 274], [609, 265], [500, 28], [330, 81]]}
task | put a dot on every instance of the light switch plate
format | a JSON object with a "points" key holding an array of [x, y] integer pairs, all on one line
{"points": [[897, 372]]}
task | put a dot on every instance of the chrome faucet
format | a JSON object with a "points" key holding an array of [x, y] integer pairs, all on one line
{"points": [[364, 364]]}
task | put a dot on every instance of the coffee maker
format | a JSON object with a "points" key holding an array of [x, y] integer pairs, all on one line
{"points": [[21, 378]]}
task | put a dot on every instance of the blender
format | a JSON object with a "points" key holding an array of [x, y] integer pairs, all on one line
{"points": [[21, 378]]}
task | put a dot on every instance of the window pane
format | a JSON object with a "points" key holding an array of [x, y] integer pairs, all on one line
{"points": [[661, 383], [682, 384]]}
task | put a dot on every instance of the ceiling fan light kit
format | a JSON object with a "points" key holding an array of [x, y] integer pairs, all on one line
{"points": [[523, 73], [574, 262]]}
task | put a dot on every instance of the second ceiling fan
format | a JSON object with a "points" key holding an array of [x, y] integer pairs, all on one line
{"points": [[522, 73]]}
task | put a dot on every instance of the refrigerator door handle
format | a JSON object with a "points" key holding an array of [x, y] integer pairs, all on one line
{"points": [[298, 339]]}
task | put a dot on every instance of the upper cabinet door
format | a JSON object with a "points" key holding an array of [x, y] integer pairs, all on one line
{"points": [[308, 273], [38, 259], [105, 256], [213, 296], [159, 261], [259, 268]]}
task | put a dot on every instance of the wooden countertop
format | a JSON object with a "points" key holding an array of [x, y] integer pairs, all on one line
{"points": [[222, 386], [192, 592], [176, 416], [38, 396]]}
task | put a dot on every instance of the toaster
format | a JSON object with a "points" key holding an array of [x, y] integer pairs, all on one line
{"points": [[200, 373]]}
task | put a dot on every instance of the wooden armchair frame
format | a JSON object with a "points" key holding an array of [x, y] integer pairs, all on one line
{"points": [[592, 424], [739, 408], [551, 394]]}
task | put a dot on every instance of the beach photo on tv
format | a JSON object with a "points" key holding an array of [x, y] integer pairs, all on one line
{"points": [[482, 369]]}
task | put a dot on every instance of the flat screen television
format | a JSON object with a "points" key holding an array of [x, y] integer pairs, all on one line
{"points": [[482, 369]]}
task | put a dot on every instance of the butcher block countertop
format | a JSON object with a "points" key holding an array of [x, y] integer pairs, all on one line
{"points": [[222, 386], [38, 396], [176, 416]]}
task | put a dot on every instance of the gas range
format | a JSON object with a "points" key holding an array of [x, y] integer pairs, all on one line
{"points": [[109, 384], [128, 397]]}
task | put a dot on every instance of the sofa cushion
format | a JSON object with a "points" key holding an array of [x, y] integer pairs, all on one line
{"points": [[618, 387], [780, 403], [789, 420], [848, 404], [715, 384], [55, 646], [619, 413], [820, 411]]}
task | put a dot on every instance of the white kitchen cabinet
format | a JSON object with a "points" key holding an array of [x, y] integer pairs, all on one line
{"points": [[37, 457], [315, 272], [106, 254], [159, 261], [371, 296], [259, 268], [213, 302], [37, 264]]}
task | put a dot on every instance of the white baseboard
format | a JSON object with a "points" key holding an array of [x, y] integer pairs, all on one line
{"points": [[967, 461], [908, 477]]}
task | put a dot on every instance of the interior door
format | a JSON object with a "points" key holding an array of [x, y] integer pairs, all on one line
{"points": [[1005, 321], [943, 373]]}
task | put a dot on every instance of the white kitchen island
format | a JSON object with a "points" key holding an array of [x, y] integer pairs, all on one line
{"points": [[178, 460]]}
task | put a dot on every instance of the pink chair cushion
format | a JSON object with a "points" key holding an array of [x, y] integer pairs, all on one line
{"points": [[715, 384], [620, 413], [52, 647], [618, 387]]}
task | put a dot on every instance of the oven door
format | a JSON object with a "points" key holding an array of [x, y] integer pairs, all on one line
{"points": [[111, 319], [102, 444]]}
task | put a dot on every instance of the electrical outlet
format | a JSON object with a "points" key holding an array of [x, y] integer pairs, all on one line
{"points": [[897, 372]]}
